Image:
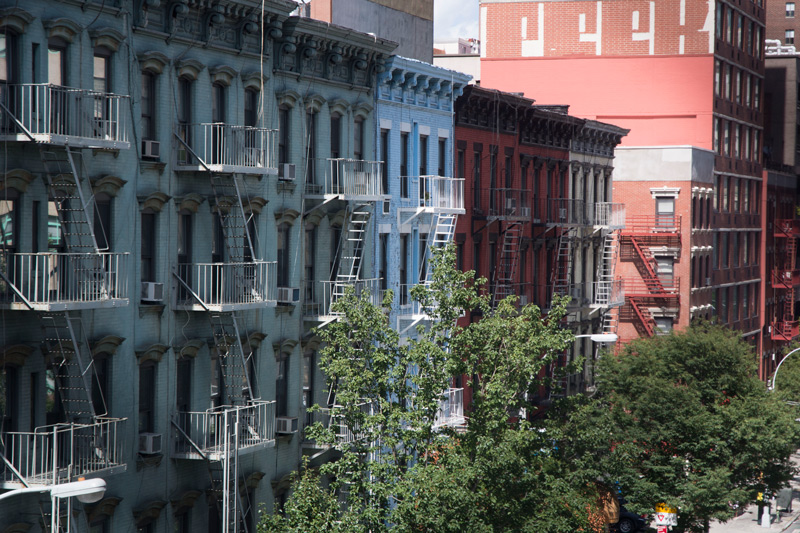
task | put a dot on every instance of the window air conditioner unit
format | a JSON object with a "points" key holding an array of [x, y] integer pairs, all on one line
{"points": [[288, 295], [525, 211], [286, 425], [149, 443], [151, 149], [562, 213], [152, 292], [287, 172]]}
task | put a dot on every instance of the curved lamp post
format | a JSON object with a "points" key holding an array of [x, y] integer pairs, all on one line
{"points": [[86, 490], [771, 383]]}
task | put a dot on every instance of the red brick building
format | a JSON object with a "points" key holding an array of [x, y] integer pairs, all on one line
{"points": [[686, 77], [538, 210]]}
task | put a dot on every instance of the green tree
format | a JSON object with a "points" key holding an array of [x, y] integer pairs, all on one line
{"points": [[497, 473], [694, 424]]}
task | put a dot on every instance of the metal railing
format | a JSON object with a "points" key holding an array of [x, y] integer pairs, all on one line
{"points": [[653, 224], [223, 430], [228, 284], [566, 211], [49, 280], [51, 113], [228, 147], [451, 409], [63, 452], [609, 293], [438, 192], [510, 203], [643, 287], [353, 177], [326, 293], [610, 215]]}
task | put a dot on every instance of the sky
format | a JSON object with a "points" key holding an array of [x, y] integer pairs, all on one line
{"points": [[455, 18]]}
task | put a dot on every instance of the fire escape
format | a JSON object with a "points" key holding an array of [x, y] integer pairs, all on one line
{"points": [[353, 186], [566, 217], [651, 288], [76, 275], [609, 218], [785, 277], [510, 209], [242, 423], [440, 201]]}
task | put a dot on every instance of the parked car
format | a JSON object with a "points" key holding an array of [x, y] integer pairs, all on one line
{"points": [[629, 522]]}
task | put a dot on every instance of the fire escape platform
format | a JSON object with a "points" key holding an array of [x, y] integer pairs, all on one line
{"points": [[68, 140]]}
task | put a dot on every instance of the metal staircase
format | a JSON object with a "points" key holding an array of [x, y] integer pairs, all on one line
{"points": [[234, 363], [444, 228], [231, 197], [506, 269], [64, 342], [605, 270], [562, 271], [351, 248], [785, 279]]}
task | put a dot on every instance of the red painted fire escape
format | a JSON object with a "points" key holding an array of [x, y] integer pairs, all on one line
{"points": [[650, 289], [785, 277]]}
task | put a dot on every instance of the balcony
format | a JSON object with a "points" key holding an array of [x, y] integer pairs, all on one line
{"points": [[226, 148], [510, 204], [653, 225], [63, 281], [609, 293], [52, 114], [436, 194], [566, 212], [61, 453], [785, 279], [451, 410], [321, 295], [652, 287], [784, 330], [349, 179], [226, 287], [224, 431], [787, 227], [609, 215]]}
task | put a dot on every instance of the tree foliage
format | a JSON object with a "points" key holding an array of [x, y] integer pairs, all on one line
{"points": [[688, 412]]}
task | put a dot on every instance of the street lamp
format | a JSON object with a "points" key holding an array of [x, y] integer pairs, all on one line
{"points": [[599, 337], [771, 383], [86, 490]]}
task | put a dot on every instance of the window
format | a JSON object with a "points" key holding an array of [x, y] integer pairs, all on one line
{"points": [[423, 255], [492, 178], [666, 267], [789, 9], [665, 211], [442, 157], [404, 165], [147, 397], [724, 194], [740, 31], [57, 61], [726, 138], [383, 266], [748, 90], [283, 255], [476, 179], [308, 268], [184, 253], [309, 368], [735, 195], [281, 386], [476, 259], [101, 384], [663, 325], [746, 196], [250, 109], [789, 37], [102, 84], [148, 105], [717, 77], [385, 159], [102, 221], [54, 409], [8, 56], [423, 155], [283, 136], [358, 139], [311, 151], [757, 98], [737, 141], [336, 136], [183, 385], [728, 81], [738, 86], [184, 117], [729, 25], [716, 135], [9, 397], [404, 251], [724, 251], [720, 19]]}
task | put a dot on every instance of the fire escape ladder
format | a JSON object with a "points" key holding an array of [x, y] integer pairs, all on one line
{"points": [[644, 316], [562, 273], [231, 197], [67, 350], [444, 228], [65, 179], [235, 379], [352, 248], [506, 269], [654, 283], [225, 475], [605, 269], [784, 327]]}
